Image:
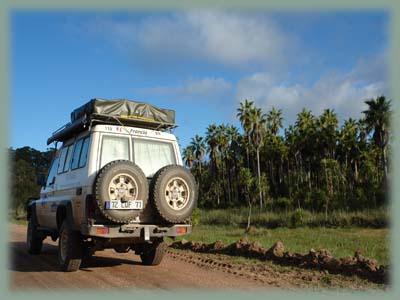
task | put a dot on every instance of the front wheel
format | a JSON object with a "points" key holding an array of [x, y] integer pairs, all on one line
{"points": [[34, 240], [152, 254], [70, 249]]}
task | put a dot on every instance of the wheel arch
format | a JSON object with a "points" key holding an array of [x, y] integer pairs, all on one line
{"points": [[64, 212], [31, 211]]}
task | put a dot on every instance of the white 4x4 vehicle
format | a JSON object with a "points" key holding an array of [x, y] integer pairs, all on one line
{"points": [[116, 182]]}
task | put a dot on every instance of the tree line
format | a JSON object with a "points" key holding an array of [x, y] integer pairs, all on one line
{"points": [[314, 164], [26, 164]]}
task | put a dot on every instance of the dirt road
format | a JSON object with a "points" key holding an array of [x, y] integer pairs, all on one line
{"points": [[179, 270], [108, 269]]}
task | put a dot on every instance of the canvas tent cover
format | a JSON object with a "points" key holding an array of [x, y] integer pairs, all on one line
{"points": [[117, 112], [125, 109]]}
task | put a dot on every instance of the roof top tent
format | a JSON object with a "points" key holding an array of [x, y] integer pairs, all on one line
{"points": [[115, 112]]}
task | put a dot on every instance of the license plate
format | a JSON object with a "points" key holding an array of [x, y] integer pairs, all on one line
{"points": [[116, 204]]}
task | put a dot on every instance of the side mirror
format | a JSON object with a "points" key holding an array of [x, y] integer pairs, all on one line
{"points": [[41, 181]]}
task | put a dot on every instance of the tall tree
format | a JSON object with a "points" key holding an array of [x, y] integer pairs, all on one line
{"points": [[274, 120], [328, 132], [199, 147], [377, 118], [188, 156], [243, 113], [257, 121]]}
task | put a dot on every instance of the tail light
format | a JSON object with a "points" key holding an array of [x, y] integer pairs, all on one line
{"points": [[181, 230], [102, 230]]}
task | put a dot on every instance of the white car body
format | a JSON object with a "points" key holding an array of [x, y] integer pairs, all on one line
{"points": [[74, 185]]}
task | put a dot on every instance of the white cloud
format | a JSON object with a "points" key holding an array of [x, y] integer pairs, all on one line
{"points": [[242, 40], [343, 92], [227, 38], [207, 89]]}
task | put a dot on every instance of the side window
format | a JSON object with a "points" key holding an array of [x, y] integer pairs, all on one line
{"points": [[68, 160], [84, 153], [52, 172], [65, 159], [80, 153], [113, 148], [77, 153], [62, 160]]}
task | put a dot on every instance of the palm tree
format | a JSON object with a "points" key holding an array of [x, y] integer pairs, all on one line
{"points": [[232, 155], [348, 155], [199, 147], [212, 146], [222, 138], [188, 156], [304, 139], [377, 119], [244, 118], [327, 126], [348, 141], [257, 121], [274, 120]]}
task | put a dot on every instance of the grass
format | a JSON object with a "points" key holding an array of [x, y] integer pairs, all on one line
{"points": [[374, 218], [228, 226], [18, 221], [372, 243]]}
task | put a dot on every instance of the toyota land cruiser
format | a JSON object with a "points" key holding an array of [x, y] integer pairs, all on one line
{"points": [[116, 182]]}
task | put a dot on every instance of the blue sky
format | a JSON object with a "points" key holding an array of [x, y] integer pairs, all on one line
{"points": [[202, 64]]}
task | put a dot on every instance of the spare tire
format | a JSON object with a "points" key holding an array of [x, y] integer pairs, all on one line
{"points": [[174, 193], [121, 181]]}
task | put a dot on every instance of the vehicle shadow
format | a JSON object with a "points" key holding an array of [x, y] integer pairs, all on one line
{"points": [[21, 261]]}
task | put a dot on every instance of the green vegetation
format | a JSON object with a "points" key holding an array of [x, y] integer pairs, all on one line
{"points": [[26, 164], [312, 173], [340, 242], [312, 165], [376, 218], [342, 233]]}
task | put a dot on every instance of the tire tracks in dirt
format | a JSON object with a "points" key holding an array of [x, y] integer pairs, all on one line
{"points": [[110, 270]]}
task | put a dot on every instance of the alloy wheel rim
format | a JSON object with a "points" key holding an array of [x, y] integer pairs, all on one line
{"points": [[177, 193], [123, 187]]}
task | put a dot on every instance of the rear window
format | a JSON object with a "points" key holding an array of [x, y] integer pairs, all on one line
{"points": [[151, 156], [114, 148]]}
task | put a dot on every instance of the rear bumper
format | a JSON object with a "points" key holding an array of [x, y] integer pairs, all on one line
{"points": [[142, 231]]}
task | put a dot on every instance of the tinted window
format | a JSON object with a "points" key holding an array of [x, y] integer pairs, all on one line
{"points": [[151, 156], [113, 148], [52, 172], [77, 153]]}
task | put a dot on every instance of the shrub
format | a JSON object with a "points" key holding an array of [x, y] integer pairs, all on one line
{"points": [[299, 217], [283, 203], [196, 217], [376, 218]]}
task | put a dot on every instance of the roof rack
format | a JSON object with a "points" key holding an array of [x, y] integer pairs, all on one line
{"points": [[115, 112]]}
